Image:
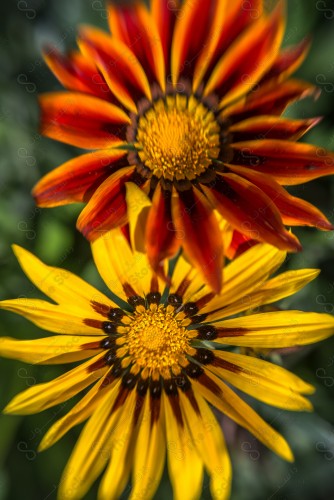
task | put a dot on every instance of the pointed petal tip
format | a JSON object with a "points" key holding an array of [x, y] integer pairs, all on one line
{"points": [[291, 243], [216, 284]]}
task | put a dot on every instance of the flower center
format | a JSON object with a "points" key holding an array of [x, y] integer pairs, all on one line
{"points": [[178, 137], [156, 339]]}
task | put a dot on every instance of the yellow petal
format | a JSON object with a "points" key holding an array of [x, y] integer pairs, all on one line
{"points": [[149, 454], [277, 288], [48, 350], [118, 265], [117, 473], [246, 273], [91, 452], [209, 441], [79, 413], [184, 463], [42, 396], [60, 285], [225, 400], [138, 205], [53, 318], [263, 380], [276, 329]]}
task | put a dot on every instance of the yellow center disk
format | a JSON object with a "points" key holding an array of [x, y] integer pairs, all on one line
{"points": [[178, 138], [156, 340]]}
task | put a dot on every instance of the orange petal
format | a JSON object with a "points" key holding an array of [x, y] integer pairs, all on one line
{"points": [[134, 25], [294, 211], [271, 127], [198, 227], [270, 99], [287, 61], [248, 58], [287, 162], [161, 237], [77, 179], [76, 72], [118, 64], [82, 120], [107, 207], [250, 211], [165, 13], [194, 19], [239, 244], [229, 20]]}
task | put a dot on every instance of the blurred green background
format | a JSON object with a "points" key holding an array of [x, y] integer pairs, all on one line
{"points": [[26, 26]]}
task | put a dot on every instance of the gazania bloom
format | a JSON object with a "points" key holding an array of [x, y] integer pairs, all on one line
{"points": [[185, 101], [151, 366]]}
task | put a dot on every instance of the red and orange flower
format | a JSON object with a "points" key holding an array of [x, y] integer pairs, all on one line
{"points": [[185, 102]]}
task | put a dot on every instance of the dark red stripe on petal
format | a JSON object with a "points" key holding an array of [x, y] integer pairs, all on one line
{"points": [[134, 26], [161, 241], [175, 404], [165, 13], [226, 365], [189, 36], [239, 244], [118, 64], [267, 127], [248, 58], [294, 211], [97, 365], [250, 211], [94, 323], [120, 398], [155, 404], [91, 345], [270, 99], [287, 61], [128, 290], [190, 395], [154, 284], [230, 22], [232, 332], [77, 179], [138, 408], [205, 300], [183, 287], [82, 120], [107, 208], [205, 380], [77, 73], [201, 236], [103, 309], [288, 163]]}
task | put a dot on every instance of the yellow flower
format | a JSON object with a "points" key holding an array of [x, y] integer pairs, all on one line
{"points": [[153, 360]]}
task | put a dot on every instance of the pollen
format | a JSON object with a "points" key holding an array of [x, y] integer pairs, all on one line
{"points": [[178, 137], [156, 340]]}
